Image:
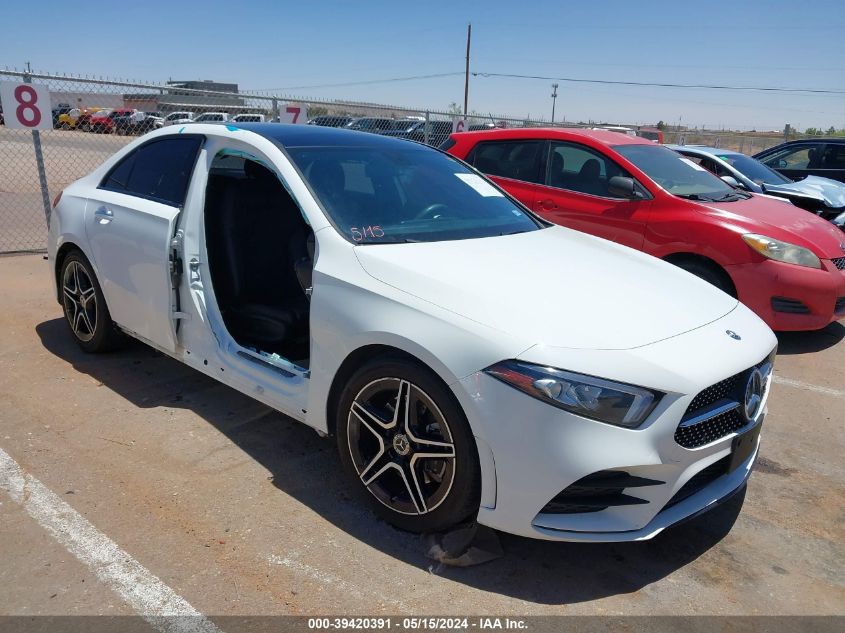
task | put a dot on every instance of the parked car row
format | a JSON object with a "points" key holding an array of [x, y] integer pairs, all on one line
{"points": [[129, 121]]}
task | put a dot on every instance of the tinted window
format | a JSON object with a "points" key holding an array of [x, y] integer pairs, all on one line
{"points": [[578, 168], [413, 194], [160, 170], [754, 169], [834, 157], [519, 160], [803, 157]]}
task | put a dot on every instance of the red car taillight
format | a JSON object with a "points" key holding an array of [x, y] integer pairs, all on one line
{"points": [[57, 198]]}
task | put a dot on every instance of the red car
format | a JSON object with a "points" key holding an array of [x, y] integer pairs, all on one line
{"points": [[785, 264], [103, 121]]}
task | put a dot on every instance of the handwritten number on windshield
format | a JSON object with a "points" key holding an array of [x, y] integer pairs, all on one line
{"points": [[360, 234]]}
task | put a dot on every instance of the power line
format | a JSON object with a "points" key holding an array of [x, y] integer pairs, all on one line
{"points": [[363, 83], [659, 85]]}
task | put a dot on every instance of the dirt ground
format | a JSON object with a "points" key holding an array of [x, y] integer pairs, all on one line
{"points": [[240, 510]]}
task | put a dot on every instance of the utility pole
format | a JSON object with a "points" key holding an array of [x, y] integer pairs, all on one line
{"points": [[554, 98], [466, 77]]}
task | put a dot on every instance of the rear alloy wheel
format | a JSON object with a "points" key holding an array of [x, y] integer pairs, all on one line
{"points": [[407, 443], [85, 307]]}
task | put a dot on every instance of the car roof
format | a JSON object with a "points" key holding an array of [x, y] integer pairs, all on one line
{"points": [[605, 137], [289, 135], [814, 139], [703, 149]]}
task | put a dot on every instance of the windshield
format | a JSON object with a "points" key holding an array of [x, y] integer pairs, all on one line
{"points": [[754, 170], [676, 174], [393, 195]]}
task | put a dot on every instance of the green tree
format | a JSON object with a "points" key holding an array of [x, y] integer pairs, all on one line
{"points": [[661, 125], [831, 131]]}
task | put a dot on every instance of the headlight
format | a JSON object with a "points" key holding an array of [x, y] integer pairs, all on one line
{"points": [[782, 251], [611, 402]]}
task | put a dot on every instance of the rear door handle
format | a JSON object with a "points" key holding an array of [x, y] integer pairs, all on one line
{"points": [[103, 215]]}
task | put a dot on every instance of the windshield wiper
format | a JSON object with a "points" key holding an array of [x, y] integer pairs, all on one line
{"points": [[732, 196], [695, 196], [513, 232]]}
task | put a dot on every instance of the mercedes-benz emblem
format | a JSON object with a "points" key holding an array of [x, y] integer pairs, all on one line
{"points": [[733, 335], [753, 394], [401, 444]]}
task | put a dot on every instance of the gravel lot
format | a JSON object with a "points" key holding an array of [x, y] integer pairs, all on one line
{"points": [[239, 510]]}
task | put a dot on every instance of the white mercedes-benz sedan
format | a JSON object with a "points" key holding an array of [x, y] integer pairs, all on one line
{"points": [[471, 360]]}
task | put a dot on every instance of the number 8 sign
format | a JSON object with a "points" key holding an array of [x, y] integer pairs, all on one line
{"points": [[26, 106]]}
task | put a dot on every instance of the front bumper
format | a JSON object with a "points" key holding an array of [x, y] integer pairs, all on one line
{"points": [[537, 451], [817, 289]]}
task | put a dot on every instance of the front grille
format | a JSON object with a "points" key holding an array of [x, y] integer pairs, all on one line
{"points": [[598, 491], [700, 480], [710, 430], [789, 306], [839, 262], [717, 410], [840, 305], [726, 389]]}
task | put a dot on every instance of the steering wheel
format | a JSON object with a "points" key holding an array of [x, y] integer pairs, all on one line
{"points": [[429, 211], [668, 183]]}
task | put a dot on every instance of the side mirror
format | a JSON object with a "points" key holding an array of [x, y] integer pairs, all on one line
{"points": [[733, 182], [622, 187]]}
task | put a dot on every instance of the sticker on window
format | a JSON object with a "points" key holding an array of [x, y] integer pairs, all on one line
{"points": [[693, 164], [480, 185], [516, 212]]}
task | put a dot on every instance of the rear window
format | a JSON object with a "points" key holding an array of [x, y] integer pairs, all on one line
{"points": [[519, 160], [159, 170]]}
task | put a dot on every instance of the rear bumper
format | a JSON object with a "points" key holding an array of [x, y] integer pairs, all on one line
{"points": [[817, 289]]}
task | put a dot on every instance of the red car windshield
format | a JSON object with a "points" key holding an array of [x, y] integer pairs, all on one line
{"points": [[678, 175]]}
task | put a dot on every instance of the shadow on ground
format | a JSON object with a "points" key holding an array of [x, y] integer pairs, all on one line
{"points": [[810, 342], [306, 467]]}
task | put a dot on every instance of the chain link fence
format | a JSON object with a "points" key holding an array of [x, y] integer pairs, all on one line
{"points": [[94, 117]]}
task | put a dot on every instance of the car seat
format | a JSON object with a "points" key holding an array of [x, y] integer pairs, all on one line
{"points": [[589, 178], [262, 300]]}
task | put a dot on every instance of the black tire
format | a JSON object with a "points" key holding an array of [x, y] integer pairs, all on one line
{"points": [[455, 496], [89, 321], [711, 274]]}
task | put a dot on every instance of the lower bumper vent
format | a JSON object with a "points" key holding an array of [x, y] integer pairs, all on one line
{"points": [[789, 306], [597, 492], [701, 480]]}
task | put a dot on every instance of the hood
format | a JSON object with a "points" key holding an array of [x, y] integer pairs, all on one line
{"points": [[785, 222], [831, 192], [555, 287]]}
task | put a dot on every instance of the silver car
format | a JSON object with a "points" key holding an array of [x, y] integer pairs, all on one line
{"points": [[822, 196]]}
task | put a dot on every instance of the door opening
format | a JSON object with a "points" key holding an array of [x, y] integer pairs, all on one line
{"points": [[260, 257]]}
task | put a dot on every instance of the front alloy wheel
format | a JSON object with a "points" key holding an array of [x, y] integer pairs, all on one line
{"points": [[409, 446], [401, 446]]}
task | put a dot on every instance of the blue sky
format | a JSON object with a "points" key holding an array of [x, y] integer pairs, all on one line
{"points": [[284, 45]]}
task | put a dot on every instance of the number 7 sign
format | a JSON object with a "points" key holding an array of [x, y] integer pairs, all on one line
{"points": [[26, 106], [293, 113]]}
